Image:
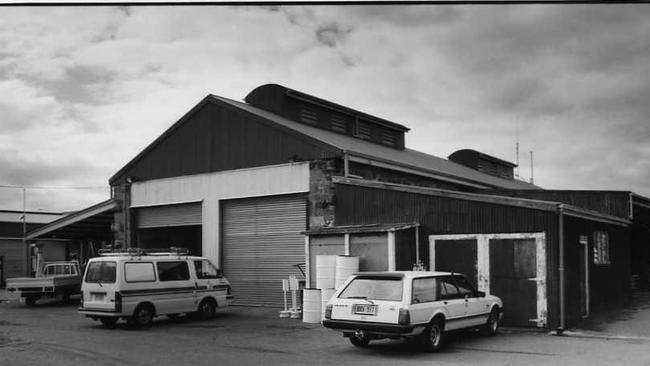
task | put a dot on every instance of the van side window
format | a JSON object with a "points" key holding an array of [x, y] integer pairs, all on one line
{"points": [[139, 272], [173, 271], [205, 269]]}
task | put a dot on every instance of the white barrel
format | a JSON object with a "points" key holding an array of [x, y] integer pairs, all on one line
{"points": [[326, 295], [346, 266], [311, 312], [325, 271]]}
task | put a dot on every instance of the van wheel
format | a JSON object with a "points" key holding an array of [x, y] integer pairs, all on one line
{"points": [[359, 340], [108, 321], [492, 326], [207, 309], [143, 316], [432, 336]]}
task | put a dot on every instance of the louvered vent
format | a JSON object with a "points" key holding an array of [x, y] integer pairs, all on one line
{"points": [[308, 115], [363, 130], [338, 124], [388, 138]]}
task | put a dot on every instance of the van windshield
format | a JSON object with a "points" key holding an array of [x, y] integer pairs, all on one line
{"points": [[379, 288], [101, 272]]}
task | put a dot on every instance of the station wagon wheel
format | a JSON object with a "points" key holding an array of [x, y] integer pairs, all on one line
{"points": [[492, 326], [143, 315], [108, 321], [359, 340], [30, 300], [432, 336], [207, 309]]}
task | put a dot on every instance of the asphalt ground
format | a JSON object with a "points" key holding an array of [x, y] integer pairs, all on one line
{"points": [[53, 333]]}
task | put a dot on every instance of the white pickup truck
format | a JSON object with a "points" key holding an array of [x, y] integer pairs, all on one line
{"points": [[55, 279]]}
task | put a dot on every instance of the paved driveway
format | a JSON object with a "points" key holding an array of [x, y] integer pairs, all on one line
{"points": [[54, 334]]}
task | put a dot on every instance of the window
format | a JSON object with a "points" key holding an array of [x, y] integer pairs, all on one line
{"points": [[448, 289], [601, 247], [464, 287], [374, 289], [173, 271], [205, 269], [139, 272], [101, 272], [424, 290]]}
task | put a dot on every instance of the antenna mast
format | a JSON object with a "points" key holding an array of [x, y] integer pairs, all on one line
{"points": [[531, 168], [517, 148]]}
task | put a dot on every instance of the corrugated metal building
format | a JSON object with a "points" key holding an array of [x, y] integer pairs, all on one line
{"points": [[14, 253], [242, 182]]}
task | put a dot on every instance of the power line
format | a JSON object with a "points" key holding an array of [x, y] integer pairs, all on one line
{"points": [[53, 187]]}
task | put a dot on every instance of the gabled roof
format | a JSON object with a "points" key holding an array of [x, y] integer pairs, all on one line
{"points": [[407, 158]]}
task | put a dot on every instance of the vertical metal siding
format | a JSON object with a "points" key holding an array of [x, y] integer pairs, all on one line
{"points": [[443, 215], [262, 242]]}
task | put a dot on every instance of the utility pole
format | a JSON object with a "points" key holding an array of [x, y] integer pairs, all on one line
{"points": [[27, 256]]}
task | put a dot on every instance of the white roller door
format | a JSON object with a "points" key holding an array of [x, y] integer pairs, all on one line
{"points": [[262, 242], [169, 215]]}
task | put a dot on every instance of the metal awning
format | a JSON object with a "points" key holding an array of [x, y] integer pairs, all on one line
{"points": [[93, 222]]}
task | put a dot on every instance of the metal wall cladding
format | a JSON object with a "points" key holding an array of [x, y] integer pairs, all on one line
{"points": [[262, 243], [169, 215], [358, 205], [219, 137], [13, 253]]}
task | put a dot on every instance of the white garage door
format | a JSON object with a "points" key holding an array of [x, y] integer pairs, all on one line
{"points": [[262, 242]]}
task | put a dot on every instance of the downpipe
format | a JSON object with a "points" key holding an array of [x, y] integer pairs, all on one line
{"points": [[560, 215]]}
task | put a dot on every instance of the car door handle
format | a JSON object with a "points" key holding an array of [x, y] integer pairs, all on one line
{"points": [[445, 302]]}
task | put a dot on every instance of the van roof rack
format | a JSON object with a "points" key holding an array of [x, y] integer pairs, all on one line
{"points": [[142, 251]]}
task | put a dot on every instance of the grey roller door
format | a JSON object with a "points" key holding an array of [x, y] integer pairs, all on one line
{"points": [[261, 245], [169, 215]]}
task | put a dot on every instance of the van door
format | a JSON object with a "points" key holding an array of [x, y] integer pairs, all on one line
{"points": [[99, 286], [177, 290], [208, 281]]}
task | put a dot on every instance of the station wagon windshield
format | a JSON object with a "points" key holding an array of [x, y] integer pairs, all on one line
{"points": [[101, 272], [389, 289]]}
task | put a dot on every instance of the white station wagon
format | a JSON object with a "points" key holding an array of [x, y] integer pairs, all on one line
{"points": [[137, 286], [415, 305]]}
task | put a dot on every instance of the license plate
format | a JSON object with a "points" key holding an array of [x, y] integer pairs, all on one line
{"points": [[364, 309], [97, 296]]}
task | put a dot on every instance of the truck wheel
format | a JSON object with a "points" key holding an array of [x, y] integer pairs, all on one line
{"points": [[492, 326], [359, 340], [108, 321], [30, 300], [143, 316], [207, 309], [432, 336]]}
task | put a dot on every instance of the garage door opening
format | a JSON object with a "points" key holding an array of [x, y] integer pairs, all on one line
{"points": [[172, 236]]}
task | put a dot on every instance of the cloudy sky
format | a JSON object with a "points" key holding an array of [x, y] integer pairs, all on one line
{"points": [[84, 89]]}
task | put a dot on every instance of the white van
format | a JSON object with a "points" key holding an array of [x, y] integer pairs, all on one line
{"points": [[137, 286]]}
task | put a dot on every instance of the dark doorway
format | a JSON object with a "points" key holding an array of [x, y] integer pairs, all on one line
{"points": [[171, 236], [458, 256], [513, 270]]}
